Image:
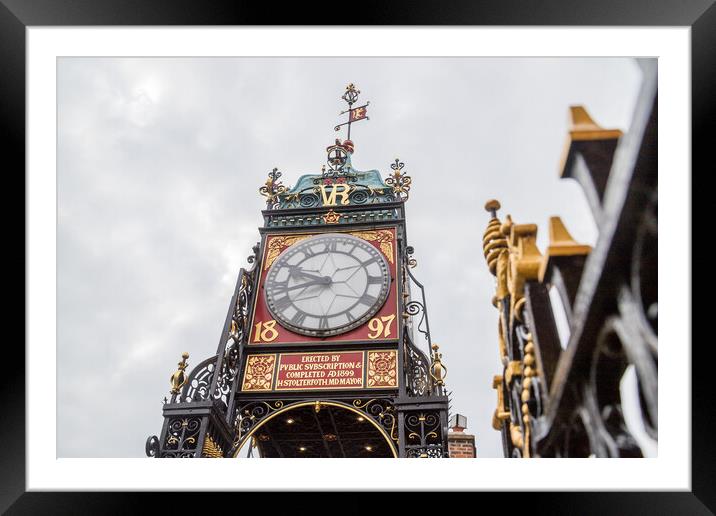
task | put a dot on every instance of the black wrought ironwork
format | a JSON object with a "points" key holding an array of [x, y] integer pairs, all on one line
{"points": [[424, 432], [417, 367], [182, 439], [199, 383], [417, 370], [382, 411], [152, 446], [251, 414]]}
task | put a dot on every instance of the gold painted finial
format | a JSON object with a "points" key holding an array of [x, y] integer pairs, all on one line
{"points": [[492, 206], [494, 243], [437, 369], [178, 379]]}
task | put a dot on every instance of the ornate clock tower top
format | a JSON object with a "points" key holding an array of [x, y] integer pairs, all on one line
{"points": [[317, 357], [339, 183]]}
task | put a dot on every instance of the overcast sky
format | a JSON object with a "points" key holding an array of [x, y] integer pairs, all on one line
{"points": [[160, 160]]}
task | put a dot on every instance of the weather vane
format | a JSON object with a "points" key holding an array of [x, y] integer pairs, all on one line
{"points": [[354, 114]]}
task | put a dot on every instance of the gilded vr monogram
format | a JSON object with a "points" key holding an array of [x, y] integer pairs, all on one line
{"points": [[339, 190]]}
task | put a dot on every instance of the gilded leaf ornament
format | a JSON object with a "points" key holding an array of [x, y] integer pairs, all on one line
{"points": [[383, 237]]}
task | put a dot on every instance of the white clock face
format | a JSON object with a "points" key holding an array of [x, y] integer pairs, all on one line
{"points": [[327, 284]]}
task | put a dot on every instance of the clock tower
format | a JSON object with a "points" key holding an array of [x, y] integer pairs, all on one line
{"points": [[326, 348]]}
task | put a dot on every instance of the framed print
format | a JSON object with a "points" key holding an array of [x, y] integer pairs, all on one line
{"points": [[420, 159]]}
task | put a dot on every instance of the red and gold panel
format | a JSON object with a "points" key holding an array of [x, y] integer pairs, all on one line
{"points": [[309, 371], [382, 369], [341, 370], [259, 373], [383, 326]]}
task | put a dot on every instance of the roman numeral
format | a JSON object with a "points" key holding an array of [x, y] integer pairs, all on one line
{"points": [[368, 300], [372, 259], [308, 251], [350, 317], [323, 323], [331, 246], [375, 279], [278, 286], [298, 318], [282, 303]]}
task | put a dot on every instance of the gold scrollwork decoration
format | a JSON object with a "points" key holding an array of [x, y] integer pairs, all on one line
{"points": [[398, 181], [272, 188]]}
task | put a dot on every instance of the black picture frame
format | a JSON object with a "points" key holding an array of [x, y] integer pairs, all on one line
{"points": [[16, 15]]}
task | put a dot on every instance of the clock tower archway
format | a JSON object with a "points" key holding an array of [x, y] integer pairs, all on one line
{"points": [[321, 428]]}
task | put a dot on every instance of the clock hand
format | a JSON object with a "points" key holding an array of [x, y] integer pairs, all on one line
{"points": [[320, 281], [349, 267], [300, 271]]}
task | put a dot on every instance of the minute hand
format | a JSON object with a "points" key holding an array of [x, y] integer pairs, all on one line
{"points": [[319, 281]]}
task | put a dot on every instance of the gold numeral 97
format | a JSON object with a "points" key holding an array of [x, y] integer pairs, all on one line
{"points": [[380, 327]]}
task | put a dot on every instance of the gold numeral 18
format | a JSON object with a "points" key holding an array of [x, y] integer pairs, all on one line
{"points": [[265, 331], [380, 327]]}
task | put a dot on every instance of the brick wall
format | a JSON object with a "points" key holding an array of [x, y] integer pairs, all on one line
{"points": [[461, 445]]}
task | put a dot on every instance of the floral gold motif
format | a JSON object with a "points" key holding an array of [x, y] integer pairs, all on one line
{"points": [[259, 373], [276, 245], [383, 237], [382, 368]]}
